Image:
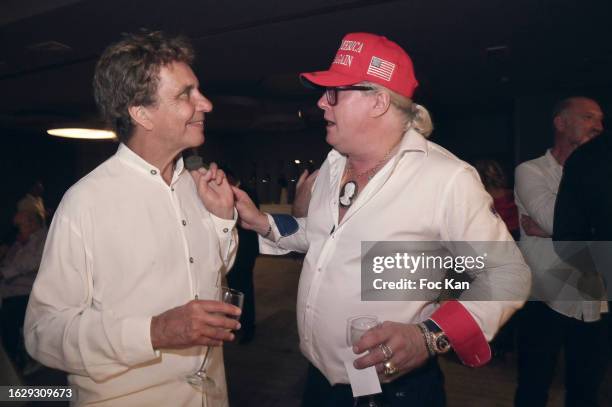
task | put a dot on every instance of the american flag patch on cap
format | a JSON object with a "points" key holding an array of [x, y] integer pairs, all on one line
{"points": [[381, 69]]}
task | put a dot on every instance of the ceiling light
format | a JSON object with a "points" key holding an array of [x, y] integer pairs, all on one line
{"points": [[50, 46], [88, 134], [496, 48]]}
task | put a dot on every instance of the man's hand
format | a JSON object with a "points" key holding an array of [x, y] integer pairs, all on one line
{"points": [[251, 218], [303, 191], [215, 191], [531, 228], [199, 322], [405, 341]]}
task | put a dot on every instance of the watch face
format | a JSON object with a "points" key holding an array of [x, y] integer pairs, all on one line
{"points": [[442, 343]]}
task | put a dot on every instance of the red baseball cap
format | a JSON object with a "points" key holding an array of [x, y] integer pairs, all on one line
{"points": [[368, 57]]}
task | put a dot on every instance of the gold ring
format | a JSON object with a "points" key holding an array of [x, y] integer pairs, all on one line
{"points": [[386, 350], [390, 369]]}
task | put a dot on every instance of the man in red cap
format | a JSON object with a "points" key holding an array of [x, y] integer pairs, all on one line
{"points": [[384, 181]]}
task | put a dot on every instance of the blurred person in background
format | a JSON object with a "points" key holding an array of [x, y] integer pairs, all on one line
{"points": [[496, 183], [18, 267], [549, 324]]}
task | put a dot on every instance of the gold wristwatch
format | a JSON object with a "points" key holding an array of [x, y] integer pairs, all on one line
{"points": [[436, 340]]}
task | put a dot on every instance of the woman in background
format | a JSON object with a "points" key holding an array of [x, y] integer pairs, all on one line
{"points": [[495, 182]]}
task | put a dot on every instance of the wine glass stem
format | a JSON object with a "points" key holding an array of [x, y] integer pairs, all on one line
{"points": [[202, 368]]}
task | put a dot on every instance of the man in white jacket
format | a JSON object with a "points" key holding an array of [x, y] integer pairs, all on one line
{"points": [[123, 300]]}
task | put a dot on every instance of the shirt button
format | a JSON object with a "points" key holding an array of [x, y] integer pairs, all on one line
{"points": [[184, 222], [225, 230], [319, 269], [153, 172], [172, 189], [191, 260]]}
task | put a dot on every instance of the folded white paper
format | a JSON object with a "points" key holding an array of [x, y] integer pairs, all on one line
{"points": [[363, 381]]}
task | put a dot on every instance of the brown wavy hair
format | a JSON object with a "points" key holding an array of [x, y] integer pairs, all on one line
{"points": [[491, 173], [127, 74]]}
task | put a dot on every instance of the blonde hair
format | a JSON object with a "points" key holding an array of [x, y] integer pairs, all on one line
{"points": [[34, 207], [415, 116]]}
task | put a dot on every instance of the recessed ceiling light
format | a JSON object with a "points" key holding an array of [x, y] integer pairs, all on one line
{"points": [[497, 48], [86, 134], [49, 46]]}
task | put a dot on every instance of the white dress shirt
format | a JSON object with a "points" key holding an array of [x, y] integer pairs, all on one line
{"points": [[424, 193], [536, 186], [123, 247]]}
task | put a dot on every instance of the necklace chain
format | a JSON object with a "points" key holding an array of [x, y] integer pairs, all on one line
{"points": [[372, 171]]}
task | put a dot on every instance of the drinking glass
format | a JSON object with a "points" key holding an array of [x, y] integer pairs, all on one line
{"points": [[355, 328], [200, 379]]}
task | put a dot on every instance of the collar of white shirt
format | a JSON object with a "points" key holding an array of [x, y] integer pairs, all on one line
{"points": [[140, 164], [411, 141], [552, 161]]}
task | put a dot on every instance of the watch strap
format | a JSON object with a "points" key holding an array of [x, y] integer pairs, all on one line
{"points": [[428, 339], [432, 326]]}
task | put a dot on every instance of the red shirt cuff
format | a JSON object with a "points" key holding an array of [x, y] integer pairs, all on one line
{"points": [[464, 334]]}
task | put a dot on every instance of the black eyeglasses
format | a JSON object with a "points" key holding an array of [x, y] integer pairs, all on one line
{"points": [[332, 93]]}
